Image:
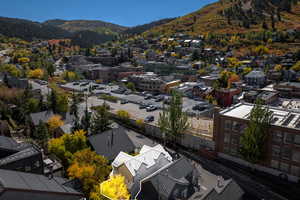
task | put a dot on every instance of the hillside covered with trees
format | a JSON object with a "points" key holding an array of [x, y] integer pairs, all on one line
{"points": [[236, 16]]}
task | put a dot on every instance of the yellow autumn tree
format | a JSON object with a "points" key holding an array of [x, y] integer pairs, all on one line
{"points": [[54, 122], [36, 73], [23, 60], [278, 68], [123, 114], [90, 168], [65, 146], [114, 188], [296, 67]]}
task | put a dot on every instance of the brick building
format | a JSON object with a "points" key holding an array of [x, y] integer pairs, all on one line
{"points": [[282, 147]]}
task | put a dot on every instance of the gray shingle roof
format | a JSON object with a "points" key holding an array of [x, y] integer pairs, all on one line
{"points": [[171, 177], [40, 116], [10, 144], [28, 152], [27, 186], [110, 143]]}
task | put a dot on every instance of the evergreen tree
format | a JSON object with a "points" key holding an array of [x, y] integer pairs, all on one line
{"points": [[53, 101], [86, 120], [100, 120], [173, 122], [50, 69], [74, 111], [195, 55], [253, 140], [41, 134]]}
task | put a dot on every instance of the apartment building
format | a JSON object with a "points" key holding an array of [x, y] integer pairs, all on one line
{"points": [[282, 147]]}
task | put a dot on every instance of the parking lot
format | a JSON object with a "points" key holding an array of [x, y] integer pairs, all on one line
{"points": [[199, 126]]}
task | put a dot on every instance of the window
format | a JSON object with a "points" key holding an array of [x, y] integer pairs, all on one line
{"points": [[227, 124], [286, 153], [226, 149], [296, 156], [284, 167], [275, 151], [234, 151], [234, 141], [297, 140], [277, 137], [275, 164], [236, 126], [27, 168], [227, 138], [289, 138], [295, 170], [37, 164]]}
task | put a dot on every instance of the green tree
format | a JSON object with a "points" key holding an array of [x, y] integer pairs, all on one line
{"points": [[253, 140], [86, 120], [52, 101], [130, 86], [41, 134], [173, 122], [100, 120], [50, 69], [62, 103], [195, 55]]}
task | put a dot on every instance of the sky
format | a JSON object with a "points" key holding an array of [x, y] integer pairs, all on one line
{"points": [[122, 12]]}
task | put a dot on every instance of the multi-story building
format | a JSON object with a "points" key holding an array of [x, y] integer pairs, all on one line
{"points": [[282, 146], [147, 82], [288, 89]]}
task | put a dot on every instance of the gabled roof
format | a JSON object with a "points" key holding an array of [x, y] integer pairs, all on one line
{"points": [[147, 157], [27, 186], [40, 116], [9, 144], [170, 177], [28, 152], [110, 143]]}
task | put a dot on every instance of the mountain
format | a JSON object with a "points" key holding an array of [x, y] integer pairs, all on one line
{"points": [[235, 16], [145, 27], [29, 31], [86, 25]]}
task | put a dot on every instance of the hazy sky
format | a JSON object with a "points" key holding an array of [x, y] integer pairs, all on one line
{"points": [[123, 12]]}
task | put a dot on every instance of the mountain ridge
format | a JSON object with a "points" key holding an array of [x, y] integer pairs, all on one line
{"points": [[229, 16]]}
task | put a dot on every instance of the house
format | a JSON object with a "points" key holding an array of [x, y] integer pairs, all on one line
{"points": [[225, 96], [155, 174], [15, 82], [288, 89], [137, 168], [255, 78], [27, 186], [111, 142], [20, 156], [268, 97], [38, 117], [44, 116]]}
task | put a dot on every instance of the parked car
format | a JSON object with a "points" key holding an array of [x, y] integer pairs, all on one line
{"points": [[151, 108], [149, 96], [142, 106], [149, 118], [123, 101], [159, 98], [76, 83]]}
